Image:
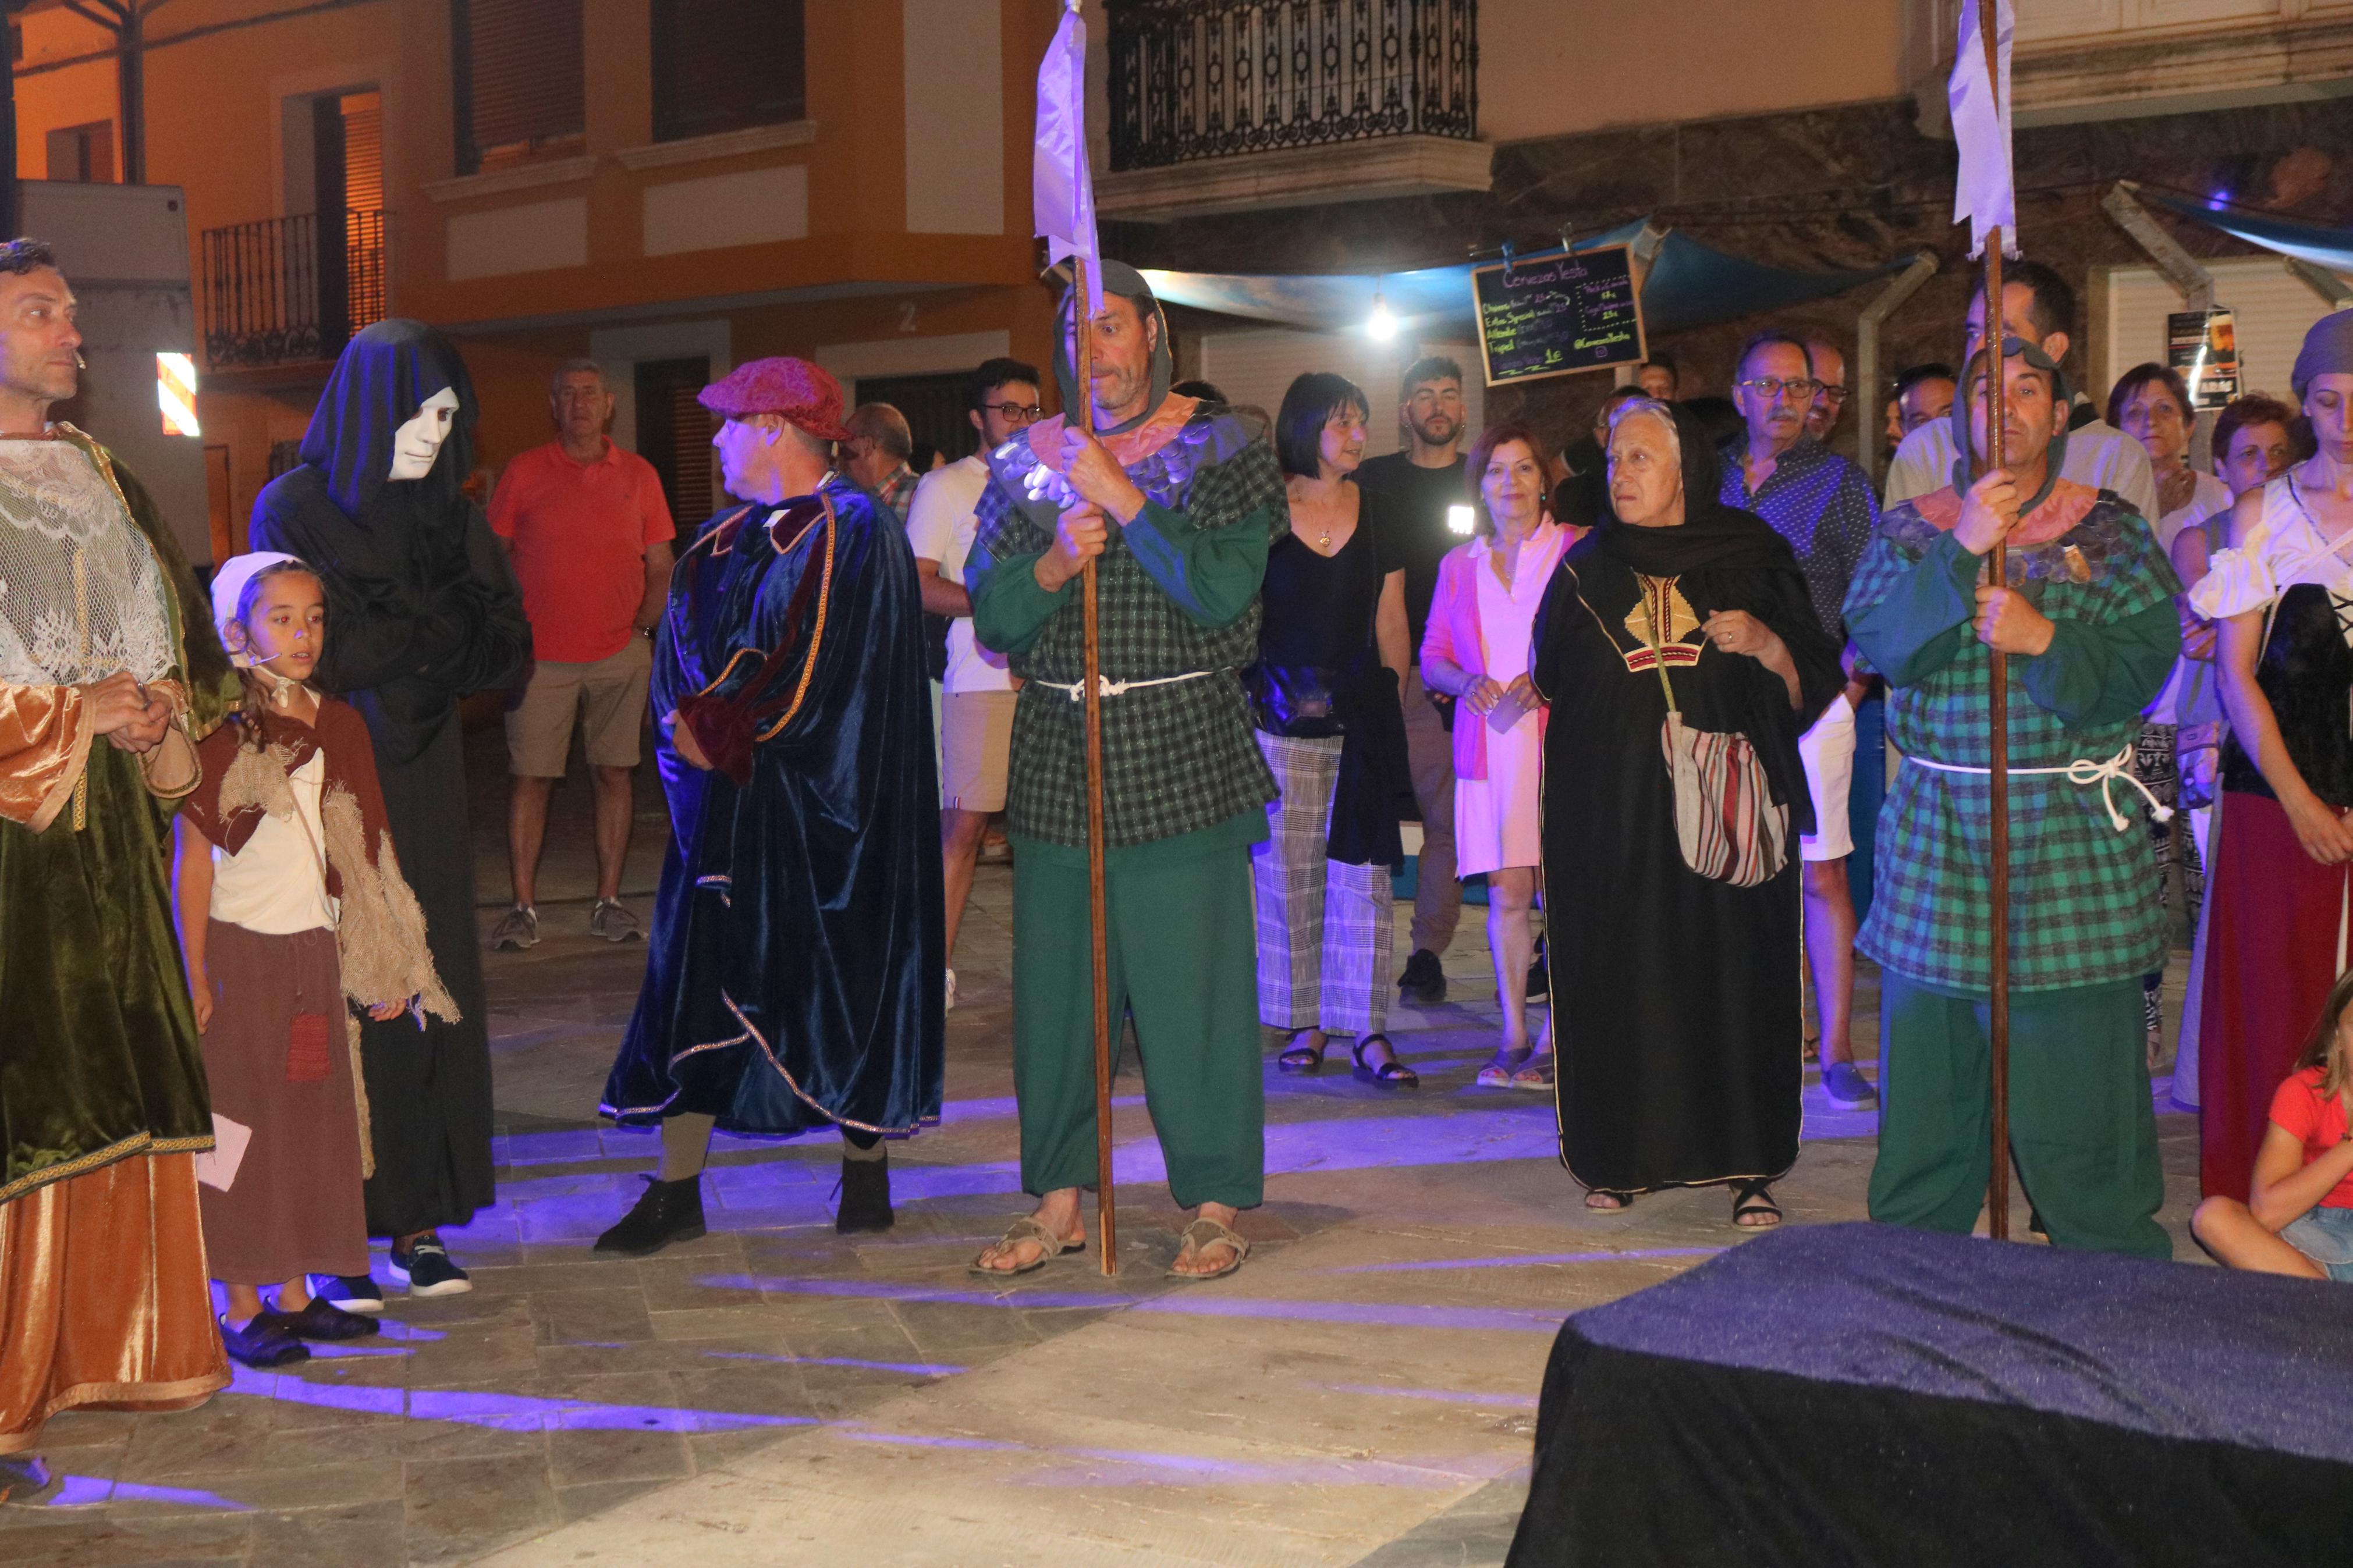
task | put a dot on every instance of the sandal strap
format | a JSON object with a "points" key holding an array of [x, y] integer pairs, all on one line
{"points": [[1204, 1233], [1027, 1228]]}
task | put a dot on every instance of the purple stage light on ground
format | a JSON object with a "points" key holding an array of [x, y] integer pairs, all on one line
{"points": [[179, 1497], [501, 1412], [1522, 1260]]}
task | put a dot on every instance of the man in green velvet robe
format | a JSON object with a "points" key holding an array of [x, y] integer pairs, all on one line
{"points": [[1176, 503], [107, 678]]}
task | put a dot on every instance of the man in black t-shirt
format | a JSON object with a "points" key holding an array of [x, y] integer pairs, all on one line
{"points": [[1430, 514]]}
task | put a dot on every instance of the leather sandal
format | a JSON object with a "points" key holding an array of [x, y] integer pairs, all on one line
{"points": [[1755, 1198], [1204, 1234], [1618, 1204], [1027, 1228], [1302, 1058], [1537, 1072], [1503, 1066], [1390, 1074]]}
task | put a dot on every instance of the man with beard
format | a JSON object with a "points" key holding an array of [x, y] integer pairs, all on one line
{"points": [[1429, 499], [1176, 502], [110, 670]]}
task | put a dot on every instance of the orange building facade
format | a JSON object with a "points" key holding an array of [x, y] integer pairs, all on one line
{"points": [[669, 187]]}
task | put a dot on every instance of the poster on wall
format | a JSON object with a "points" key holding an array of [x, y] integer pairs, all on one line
{"points": [[1557, 314], [2203, 346]]}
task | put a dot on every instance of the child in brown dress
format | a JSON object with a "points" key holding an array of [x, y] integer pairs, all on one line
{"points": [[290, 901]]}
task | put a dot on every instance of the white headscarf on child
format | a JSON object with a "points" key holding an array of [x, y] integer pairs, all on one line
{"points": [[228, 586]]}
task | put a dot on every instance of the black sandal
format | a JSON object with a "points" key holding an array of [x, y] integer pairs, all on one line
{"points": [[1390, 1074], [1302, 1058], [1754, 1198]]}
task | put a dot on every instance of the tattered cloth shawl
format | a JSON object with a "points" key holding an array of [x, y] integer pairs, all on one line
{"points": [[379, 927]]}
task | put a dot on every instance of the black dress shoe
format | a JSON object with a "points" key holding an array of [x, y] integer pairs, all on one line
{"points": [[865, 1197], [1540, 975], [1423, 983], [262, 1343], [666, 1212], [319, 1321]]}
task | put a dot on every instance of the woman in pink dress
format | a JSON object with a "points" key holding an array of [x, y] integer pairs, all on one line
{"points": [[1477, 650]]}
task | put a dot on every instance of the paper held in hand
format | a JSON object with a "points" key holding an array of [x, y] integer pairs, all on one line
{"points": [[217, 1169]]}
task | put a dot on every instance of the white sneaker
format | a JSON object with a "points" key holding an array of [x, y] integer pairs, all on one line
{"points": [[951, 1007]]}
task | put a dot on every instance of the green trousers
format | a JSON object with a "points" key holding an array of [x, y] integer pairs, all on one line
{"points": [[2081, 1125], [1183, 956]]}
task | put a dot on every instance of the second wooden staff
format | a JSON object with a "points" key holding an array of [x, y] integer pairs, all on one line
{"points": [[1996, 340], [1083, 357]]}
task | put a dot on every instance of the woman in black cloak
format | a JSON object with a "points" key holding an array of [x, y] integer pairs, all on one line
{"points": [[424, 610], [1675, 996]]}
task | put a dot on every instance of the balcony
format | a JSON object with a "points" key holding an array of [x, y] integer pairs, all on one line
{"points": [[1239, 105], [2108, 59], [292, 290]]}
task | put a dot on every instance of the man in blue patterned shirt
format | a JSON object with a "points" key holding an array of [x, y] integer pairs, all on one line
{"points": [[1823, 505], [2088, 622]]}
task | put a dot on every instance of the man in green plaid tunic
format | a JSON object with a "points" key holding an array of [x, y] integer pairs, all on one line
{"points": [[2089, 624], [1176, 504]]}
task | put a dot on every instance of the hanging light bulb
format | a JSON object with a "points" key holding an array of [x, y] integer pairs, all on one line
{"points": [[1381, 326]]}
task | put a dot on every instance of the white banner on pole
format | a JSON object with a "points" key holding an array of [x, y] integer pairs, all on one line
{"points": [[1062, 187], [1986, 191]]}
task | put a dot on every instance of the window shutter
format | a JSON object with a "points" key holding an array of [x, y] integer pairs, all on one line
{"points": [[521, 70], [723, 65]]}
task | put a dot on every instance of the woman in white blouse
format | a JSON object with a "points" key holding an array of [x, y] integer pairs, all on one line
{"points": [[2280, 895]]}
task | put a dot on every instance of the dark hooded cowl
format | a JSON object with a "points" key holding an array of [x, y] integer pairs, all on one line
{"points": [[1120, 279], [422, 610]]}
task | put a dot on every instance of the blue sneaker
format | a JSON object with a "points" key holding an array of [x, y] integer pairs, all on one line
{"points": [[1849, 1090], [348, 1293], [425, 1268]]}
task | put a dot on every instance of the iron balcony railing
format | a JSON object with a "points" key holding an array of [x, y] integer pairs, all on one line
{"points": [[1209, 78], [288, 289]]}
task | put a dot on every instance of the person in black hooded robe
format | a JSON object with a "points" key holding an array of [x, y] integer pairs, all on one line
{"points": [[425, 611], [1676, 995]]}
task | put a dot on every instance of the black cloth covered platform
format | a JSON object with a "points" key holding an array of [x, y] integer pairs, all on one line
{"points": [[1860, 1394]]}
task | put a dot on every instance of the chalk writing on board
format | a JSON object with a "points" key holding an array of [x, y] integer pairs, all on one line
{"points": [[1557, 314]]}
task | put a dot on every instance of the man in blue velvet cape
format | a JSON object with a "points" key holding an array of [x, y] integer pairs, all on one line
{"points": [[793, 973]]}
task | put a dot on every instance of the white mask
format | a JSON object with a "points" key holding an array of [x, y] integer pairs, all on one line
{"points": [[415, 444]]}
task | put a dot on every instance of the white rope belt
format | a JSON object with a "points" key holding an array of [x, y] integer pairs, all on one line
{"points": [[1076, 690], [2082, 772]]}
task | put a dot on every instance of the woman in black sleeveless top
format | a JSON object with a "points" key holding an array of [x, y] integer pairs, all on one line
{"points": [[1323, 694]]}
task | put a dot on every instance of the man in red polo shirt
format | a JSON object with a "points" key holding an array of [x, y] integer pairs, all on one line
{"points": [[589, 533]]}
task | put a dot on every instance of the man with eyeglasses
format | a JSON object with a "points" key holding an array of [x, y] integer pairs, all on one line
{"points": [[1425, 480], [1830, 388], [977, 691], [1822, 505]]}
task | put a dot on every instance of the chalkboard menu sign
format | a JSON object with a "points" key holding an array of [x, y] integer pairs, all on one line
{"points": [[1557, 314]]}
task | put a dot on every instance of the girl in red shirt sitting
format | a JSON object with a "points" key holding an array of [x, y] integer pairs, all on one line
{"points": [[2299, 1218]]}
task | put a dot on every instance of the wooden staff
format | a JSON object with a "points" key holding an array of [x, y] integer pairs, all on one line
{"points": [[1998, 758], [1097, 902]]}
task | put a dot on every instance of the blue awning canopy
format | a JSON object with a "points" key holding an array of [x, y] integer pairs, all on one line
{"points": [[2315, 243], [1690, 285]]}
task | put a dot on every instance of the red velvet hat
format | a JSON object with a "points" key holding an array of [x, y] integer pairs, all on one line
{"points": [[798, 390]]}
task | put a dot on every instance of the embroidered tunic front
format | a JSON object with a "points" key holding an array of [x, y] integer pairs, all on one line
{"points": [[2082, 910]]}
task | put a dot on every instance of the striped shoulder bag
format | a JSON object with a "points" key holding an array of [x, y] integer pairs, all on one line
{"points": [[1726, 822]]}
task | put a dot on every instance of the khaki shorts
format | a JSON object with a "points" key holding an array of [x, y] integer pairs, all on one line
{"points": [[976, 738], [609, 698]]}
